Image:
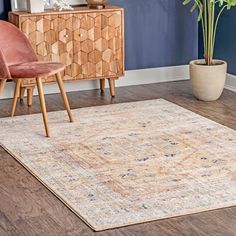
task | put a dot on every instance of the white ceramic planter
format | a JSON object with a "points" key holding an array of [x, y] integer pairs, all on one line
{"points": [[35, 6], [208, 81]]}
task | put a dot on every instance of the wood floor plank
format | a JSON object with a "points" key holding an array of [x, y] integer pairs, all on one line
{"points": [[41, 225], [6, 227], [28, 208]]}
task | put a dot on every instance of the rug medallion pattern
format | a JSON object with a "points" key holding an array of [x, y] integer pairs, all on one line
{"points": [[128, 163]]}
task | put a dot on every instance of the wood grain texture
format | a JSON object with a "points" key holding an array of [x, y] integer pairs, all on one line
{"points": [[89, 42], [28, 208]]}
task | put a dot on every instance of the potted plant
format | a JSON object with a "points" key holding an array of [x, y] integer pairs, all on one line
{"points": [[208, 75]]}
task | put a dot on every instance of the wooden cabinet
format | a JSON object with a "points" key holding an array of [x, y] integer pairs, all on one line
{"points": [[89, 42]]}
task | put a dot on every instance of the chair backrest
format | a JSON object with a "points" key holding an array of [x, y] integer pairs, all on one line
{"points": [[15, 48]]}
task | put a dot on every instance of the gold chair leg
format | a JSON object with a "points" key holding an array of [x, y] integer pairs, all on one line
{"points": [[63, 93], [16, 95], [43, 105], [2, 85]]}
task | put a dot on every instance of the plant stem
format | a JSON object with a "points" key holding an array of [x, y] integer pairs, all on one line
{"points": [[209, 33], [206, 29], [212, 30]]}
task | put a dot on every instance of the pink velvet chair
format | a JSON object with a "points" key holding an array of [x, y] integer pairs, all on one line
{"points": [[18, 61]]}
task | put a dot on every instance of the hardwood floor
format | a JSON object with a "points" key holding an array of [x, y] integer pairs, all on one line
{"points": [[28, 208]]}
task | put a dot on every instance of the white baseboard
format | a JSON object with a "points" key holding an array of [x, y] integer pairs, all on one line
{"points": [[132, 77], [231, 82]]}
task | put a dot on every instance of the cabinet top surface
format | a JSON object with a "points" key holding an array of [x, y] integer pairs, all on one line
{"points": [[76, 10]]}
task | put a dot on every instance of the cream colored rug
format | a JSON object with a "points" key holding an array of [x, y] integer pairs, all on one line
{"points": [[129, 163]]}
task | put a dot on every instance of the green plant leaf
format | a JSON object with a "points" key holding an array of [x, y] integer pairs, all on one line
{"points": [[209, 18]]}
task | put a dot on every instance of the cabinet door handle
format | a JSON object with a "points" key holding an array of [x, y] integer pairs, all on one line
{"points": [[66, 35], [81, 35]]}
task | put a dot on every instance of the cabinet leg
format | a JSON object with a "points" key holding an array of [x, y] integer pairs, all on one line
{"points": [[112, 87], [102, 85], [22, 93], [30, 92]]}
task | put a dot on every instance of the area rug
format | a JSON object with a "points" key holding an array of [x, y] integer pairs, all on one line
{"points": [[124, 164]]}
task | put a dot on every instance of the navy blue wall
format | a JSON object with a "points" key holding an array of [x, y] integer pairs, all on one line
{"points": [[158, 32], [225, 40], [4, 8]]}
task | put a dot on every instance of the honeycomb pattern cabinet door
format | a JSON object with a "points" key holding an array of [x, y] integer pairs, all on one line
{"points": [[51, 38], [89, 42], [34, 28], [62, 42], [98, 45]]}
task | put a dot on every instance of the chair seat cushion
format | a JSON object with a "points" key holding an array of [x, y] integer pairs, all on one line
{"points": [[35, 69]]}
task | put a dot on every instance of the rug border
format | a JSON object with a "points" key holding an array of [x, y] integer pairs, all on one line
{"points": [[115, 226]]}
